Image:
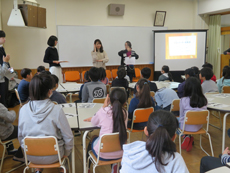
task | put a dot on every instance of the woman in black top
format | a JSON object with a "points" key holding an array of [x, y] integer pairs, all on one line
{"points": [[128, 52], [52, 57]]}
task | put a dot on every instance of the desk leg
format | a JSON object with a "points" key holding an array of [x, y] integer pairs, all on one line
{"points": [[73, 156], [224, 131], [85, 170]]}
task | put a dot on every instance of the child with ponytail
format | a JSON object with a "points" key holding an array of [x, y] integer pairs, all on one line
{"points": [[166, 75], [143, 99], [111, 118], [158, 153]]}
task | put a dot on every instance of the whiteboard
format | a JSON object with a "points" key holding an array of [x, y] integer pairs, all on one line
{"points": [[75, 43]]}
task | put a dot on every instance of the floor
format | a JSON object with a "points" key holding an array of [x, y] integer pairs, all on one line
{"points": [[192, 158]]}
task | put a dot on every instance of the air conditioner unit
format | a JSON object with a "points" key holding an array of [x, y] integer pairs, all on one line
{"points": [[116, 9]]}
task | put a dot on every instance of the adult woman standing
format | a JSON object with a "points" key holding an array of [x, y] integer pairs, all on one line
{"points": [[128, 52], [52, 57], [99, 55]]}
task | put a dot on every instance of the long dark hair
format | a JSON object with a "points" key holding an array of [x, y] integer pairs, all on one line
{"points": [[165, 68], [144, 94], [99, 41], [118, 98], [193, 90], [226, 73], [40, 86], [161, 128]]}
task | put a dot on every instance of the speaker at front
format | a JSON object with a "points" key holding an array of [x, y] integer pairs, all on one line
{"points": [[116, 9]]}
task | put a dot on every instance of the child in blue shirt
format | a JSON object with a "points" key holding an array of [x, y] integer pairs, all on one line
{"points": [[23, 87]]}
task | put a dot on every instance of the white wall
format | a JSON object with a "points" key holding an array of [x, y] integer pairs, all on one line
{"points": [[213, 6], [27, 45], [225, 20]]}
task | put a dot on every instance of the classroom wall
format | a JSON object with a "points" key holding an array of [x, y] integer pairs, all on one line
{"points": [[225, 20], [213, 6], [27, 45]]}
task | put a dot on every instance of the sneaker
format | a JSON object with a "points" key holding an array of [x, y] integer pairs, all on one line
{"points": [[189, 148], [19, 159], [114, 168], [185, 143], [12, 152]]}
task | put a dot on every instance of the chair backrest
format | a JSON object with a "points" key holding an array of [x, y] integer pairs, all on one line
{"points": [[99, 100], [226, 89], [137, 72], [82, 75], [108, 88], [72, 76], [114, 73], [196, 118], [142, 114], [41, 146], [152, 93], [175, 106], [18, 97], [112, 88], [109, 74]]}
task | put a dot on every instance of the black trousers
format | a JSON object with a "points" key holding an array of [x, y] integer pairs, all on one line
{"points": [[10, 145], [208, 163], [4, 92]]}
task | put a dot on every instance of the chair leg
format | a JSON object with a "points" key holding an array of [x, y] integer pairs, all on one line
{"points": [[88, 163], [94, 167], [180, 143], [68, 165], [201, 145], [3, 156], [210, 141], [24, 171], [63, 167], [118, 165]]}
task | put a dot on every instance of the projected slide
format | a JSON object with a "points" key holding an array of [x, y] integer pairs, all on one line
{"points": [[181, 46]]}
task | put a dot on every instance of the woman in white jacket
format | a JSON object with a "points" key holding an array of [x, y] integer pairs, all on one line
{"points": [[41, 117]]}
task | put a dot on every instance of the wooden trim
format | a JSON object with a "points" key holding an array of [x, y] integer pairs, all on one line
{"points": [[81, 69], [225, 28], [223, 13], [225, 33]]}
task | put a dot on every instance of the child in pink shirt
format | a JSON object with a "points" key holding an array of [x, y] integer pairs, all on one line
{"points": [[104, 119]]}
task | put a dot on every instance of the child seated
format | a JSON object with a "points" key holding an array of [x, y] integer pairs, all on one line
{"points": [[166, 75], [208, 163], [95, 88], [158, 153], [23, 87], [193, 100], [126, 77], [188, 73], [8, 131], [40, 69], [225, 80], [211, 67], [111, 118], [146, 73], [143, 99], [103, 77], [41, 117], [164, 98], [56, 96], [86, 80], [208, 85], [121, 81]]}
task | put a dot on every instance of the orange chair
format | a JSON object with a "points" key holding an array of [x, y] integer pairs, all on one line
{"points": [[196, 118], [108, 143], [82, 76], [137, 74], [43, 146], [72, 76], [226, 89], [109, 75], [114, 73], [140, 116]]}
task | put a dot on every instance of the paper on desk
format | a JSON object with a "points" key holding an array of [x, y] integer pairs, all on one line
{"points": [[67, 105], [69, 115], [222, 95], [130, 61], [210, 99], [87, 105], [217, 105]]}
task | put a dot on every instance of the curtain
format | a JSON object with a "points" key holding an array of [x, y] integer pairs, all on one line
{"points": [[214, 43]]}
